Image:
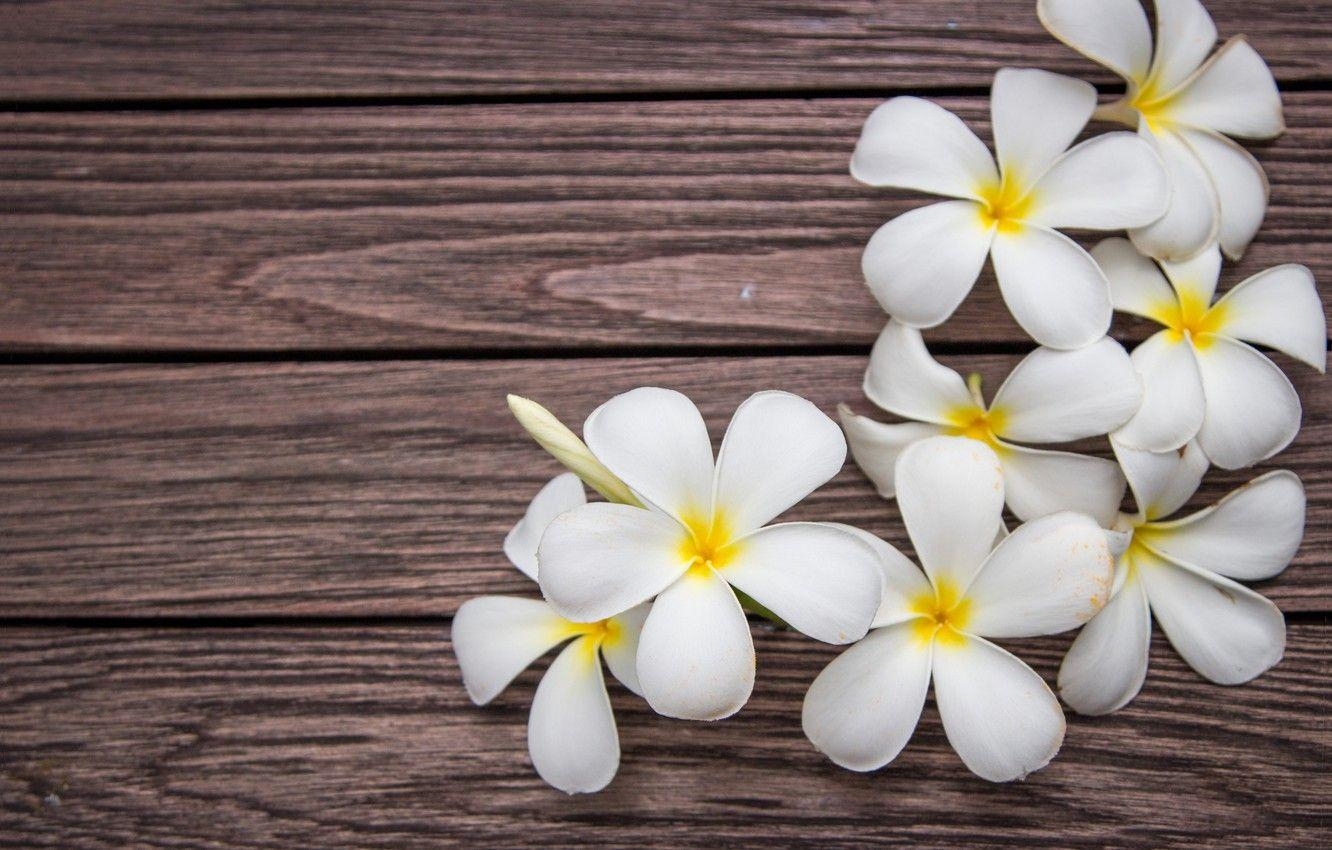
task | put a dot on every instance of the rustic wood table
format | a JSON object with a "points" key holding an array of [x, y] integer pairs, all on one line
{"points": [[267, 270]]}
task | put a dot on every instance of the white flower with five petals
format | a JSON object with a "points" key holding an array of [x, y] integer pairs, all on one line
{"points": [[1186, 104], [571, 732], [921, 264], [1048, 576], [1199, 377], [1184, 571], [1049, 397], [705, 529]]}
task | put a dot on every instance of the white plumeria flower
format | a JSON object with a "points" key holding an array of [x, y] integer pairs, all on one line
{"points": [[704, 529], [1049, 397], [1186, 107], [571, 731], [1048, 576], [1183, 571], [1199, 378], [921, 264]]}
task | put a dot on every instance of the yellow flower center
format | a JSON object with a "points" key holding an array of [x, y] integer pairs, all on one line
{"points": [[942, 614], [1192, 316], [601, 633], [1152, 104], [1004, 204], [708, 542], [977, 423]]}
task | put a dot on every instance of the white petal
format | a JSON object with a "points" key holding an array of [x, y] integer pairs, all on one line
{"points": [[1111, 32], [822, 580], [620, 646], [876, 445], [1250, 535], [562, 493], [655, 440], [1225, 631], [1052, 287], [1172, 398], [863, 707], [1241, 187], [1195, 279], [496, 637], [1161, 481], [1193, 218], [998, 714], [1279, 308], [602, 559], [1137, 285], [903, 378], [695, 655], [1036, 115], [1253, 412], [571, 730], [923, 263], [903, 582], [1050, 575], [777, 450], [1234, 94], [1185, 34], [1108, 182], [1106, 665], [1059, 396], [950, 491], [911, 143], [1039, 482]]}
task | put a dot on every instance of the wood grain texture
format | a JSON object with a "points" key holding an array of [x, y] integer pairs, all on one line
{"points": [[77, 50], [362, 737], [503, 227], [381, 488]]}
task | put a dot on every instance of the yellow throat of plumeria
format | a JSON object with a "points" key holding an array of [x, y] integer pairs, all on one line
{"points": [[1004, 204], [975, 420], [1151, 104], [1190, 315], [943, 614], [606, 632], [708, 542]]}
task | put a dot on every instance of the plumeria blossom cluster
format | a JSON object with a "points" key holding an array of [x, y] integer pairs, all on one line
{"points": [[1196, 393], [658, 580]]}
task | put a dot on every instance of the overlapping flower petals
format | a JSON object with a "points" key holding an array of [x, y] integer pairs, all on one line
{"points": [[1182, 571], [705, 531], [1200, 378], [921, 265], [1186, 103], [1050, 397], [1048, 576]]}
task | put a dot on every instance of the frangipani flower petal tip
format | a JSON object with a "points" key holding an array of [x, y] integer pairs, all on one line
{"points": [[1186, 104], [1200, 377], [1048, 576], [922, 264], [704, 531], [1184, 572]]}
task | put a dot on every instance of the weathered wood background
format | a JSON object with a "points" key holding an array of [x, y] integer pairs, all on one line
{"points": [[266, 273]]}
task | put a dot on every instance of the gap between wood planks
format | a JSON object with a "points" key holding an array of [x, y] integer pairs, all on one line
{"points": [[220, 104], [224, 621]]}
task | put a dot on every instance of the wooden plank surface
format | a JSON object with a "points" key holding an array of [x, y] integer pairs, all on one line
{"points": [[504, 227], [76, 49], [362, 737], [380, 488]]}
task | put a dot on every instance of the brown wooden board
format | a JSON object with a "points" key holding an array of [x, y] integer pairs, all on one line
{"points": [[381, 488], [77, 50], [362, 737], [547, 227]]}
